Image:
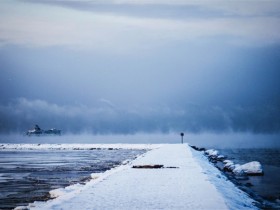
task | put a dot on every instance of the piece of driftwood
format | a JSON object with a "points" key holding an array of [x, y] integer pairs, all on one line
{"points": [[152, 166], [148, 166]]}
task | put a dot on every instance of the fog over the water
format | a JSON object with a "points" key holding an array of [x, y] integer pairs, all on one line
{"points": [[127, 67], [206, 140]]}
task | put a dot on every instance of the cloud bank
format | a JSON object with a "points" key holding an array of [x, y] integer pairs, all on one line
{"points": [[22, 114], [130, 66]]}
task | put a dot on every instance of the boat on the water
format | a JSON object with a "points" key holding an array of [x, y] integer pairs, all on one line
{"points": [[38, 131]]}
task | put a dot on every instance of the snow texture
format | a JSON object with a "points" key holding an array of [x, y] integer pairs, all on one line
{"points": [[251, 168], [229, 165], [193, 183], [233, 197], [212, 152], [214, 155], [61, 191]]}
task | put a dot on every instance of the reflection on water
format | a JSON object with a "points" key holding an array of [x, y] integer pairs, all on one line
{"points": [[26, 176]]}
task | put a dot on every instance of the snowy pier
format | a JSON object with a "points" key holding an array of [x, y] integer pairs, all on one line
{"points": [[182, 179]]}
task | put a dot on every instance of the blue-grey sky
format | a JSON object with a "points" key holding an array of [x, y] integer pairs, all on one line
{"points": [[128, 66]]}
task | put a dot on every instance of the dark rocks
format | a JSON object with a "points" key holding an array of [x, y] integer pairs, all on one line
{"points": [[214, 155], [198, 148], [229, 166], [248, 184]]}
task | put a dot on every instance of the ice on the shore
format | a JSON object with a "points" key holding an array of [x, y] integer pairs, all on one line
{"points": [[22, 208], [212, 152], [193, 183], [61, 191], [221, 157], [72, 188], [233, 196], [251, 168], [95, 175], [229, 165], [76, 146]]}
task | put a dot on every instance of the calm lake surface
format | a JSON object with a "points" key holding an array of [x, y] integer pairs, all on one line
{"points": [[27, 176], [268, 185]]}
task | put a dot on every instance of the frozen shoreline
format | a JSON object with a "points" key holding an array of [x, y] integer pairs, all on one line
{"points": [[193, 183], [6, 146]]}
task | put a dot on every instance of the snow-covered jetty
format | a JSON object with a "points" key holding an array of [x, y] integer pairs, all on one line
{"points": [[167, 177]]}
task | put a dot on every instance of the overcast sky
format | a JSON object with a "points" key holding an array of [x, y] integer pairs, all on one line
{"points": [[129, 66]]}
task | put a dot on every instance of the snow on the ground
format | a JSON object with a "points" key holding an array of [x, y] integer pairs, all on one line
{"points": [[251, 168], [233, 196], [212, 152], [193, 184], [76, 146], [229, 165], [61, 191]]}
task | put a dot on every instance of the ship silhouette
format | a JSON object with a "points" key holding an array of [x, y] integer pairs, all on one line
{"points": [[37, 131]]}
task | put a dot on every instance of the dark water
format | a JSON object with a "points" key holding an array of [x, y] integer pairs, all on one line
{"points": [[268, 185], [26, 176]]}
